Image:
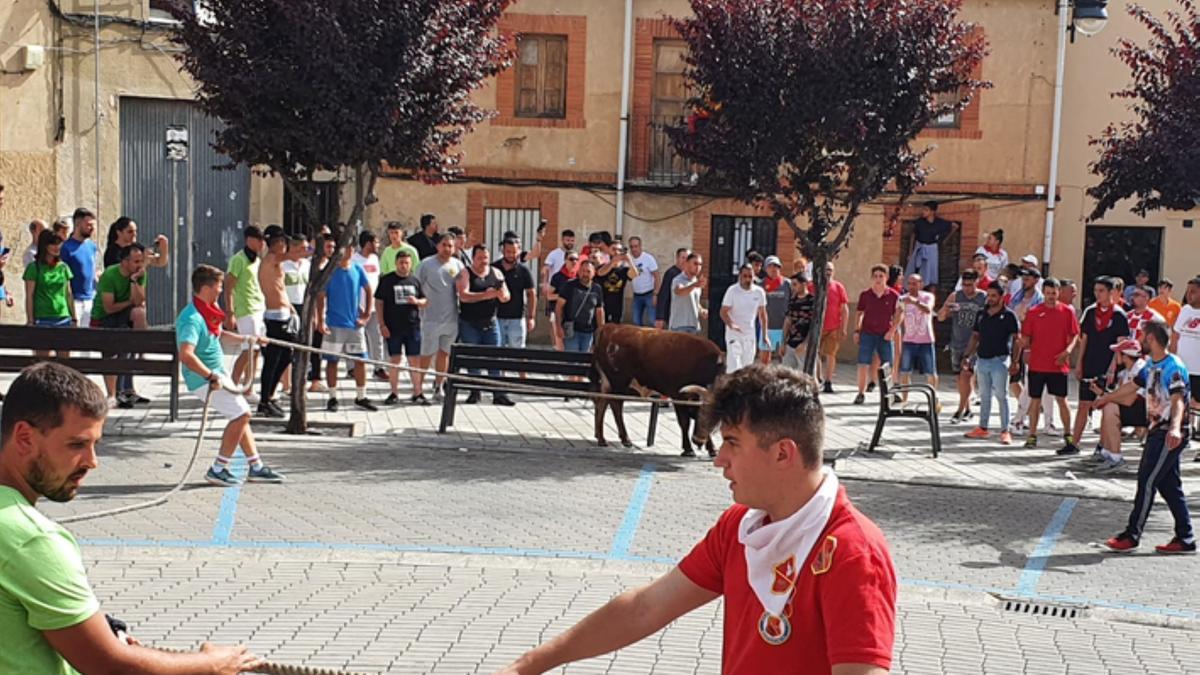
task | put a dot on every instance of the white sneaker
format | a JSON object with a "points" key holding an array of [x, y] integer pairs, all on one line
{"points": [[1111, 465], [251, 398], [112, 402]]}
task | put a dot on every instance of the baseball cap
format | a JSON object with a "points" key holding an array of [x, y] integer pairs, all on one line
{"points": [[774, 260], [1030, 259], [1128, 347], [979, 256], [1031, 272], [1144, 290]]}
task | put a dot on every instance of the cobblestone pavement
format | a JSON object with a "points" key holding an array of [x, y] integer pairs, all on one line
{"points": [[406, 551]]}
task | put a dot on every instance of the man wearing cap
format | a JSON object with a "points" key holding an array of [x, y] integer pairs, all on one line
{"points": [[1103, 324], [1125, 406], [928, 233], [1166, 305], [992, 340], [1029, 262], [779, 293], [808, 582], [1028, 292]]}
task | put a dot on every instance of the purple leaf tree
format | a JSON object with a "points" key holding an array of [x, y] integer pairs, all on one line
{"points": [[342, 85], [1152, 158], [810, 108]]}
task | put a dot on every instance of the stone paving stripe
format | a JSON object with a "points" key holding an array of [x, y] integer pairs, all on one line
{"points": [[227, 515], [1036, 564], [633, 514]]}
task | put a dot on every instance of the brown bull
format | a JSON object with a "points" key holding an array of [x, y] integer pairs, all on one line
{"points": [[677, 365]]}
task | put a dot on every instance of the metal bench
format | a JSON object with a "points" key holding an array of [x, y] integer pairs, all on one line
{"points": [[923, 410], [546, 369], [132, 346]]}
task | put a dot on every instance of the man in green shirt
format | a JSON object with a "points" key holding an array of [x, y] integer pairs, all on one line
{"points": [[244, 299], [121, 303], [396, 244], [50, 620]]}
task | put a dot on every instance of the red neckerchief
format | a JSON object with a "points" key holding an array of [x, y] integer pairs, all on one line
{"points": [[570, 272], [213, 316], [771, 285], [993, 251], [1104, 317]]}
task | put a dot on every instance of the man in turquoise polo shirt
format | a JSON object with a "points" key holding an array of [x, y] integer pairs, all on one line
{"points": [[50, 620]]}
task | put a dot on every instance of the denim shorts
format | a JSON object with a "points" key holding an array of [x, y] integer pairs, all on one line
{"points": [[919, 358], [409, 345], [869, 345]]}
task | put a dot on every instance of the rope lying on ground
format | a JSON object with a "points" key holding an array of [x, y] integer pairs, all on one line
{"points": [[481, 382]]}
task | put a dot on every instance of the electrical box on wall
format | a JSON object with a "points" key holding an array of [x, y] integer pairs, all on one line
{"points": [[31, 57]]}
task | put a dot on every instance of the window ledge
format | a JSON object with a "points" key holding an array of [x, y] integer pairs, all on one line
{"points": [[539, 122]]}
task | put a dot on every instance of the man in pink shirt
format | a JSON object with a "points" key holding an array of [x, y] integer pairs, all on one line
{"points": [[915, 312]]}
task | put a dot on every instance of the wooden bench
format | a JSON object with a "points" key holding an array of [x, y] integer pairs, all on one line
{"points": [[123, 341], [546, 369], [924, 410]]}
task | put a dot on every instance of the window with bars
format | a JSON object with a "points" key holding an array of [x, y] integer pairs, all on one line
{"points": [[522, 221], [542, 76]]}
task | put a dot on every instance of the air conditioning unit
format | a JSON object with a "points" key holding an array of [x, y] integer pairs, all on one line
{"points": [[31, 57]]}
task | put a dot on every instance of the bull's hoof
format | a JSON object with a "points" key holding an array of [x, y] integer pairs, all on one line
{"points": [[626, 442], [601, 443], [688, 453]]}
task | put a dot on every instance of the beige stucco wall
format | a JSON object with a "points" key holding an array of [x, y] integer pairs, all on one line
{"points": [[47, 177], [1092, 74]]}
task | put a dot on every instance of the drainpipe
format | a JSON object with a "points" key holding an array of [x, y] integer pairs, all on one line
{"points": [[1064, 17], [96, 46], [623, 143]]}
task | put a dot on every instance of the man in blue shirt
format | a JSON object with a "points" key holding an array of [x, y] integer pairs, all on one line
{"points": [[199, 335], [341, 318], [1165, 381], [82, 255]]}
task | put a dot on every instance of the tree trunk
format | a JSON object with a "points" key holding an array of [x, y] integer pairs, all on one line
{"points": [[343, 237], [820, 257]]}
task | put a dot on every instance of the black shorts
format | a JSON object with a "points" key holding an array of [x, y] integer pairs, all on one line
{"points": [[1055, 383], [1134, 415], [408, 343], [1194, 382]]}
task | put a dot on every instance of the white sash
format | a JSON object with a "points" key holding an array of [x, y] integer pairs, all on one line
{"points": [[775, 552]]}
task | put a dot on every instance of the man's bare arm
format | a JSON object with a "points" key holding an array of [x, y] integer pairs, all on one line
{"points": [[91, 647], [627, 618]]}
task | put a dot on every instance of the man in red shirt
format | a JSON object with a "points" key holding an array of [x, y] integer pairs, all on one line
{"points": [[875, 326], [1049, 335], [837, 316], [808, 581]]}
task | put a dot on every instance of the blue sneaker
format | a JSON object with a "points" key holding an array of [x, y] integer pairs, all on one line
{"points": [[264, 474], [224, 477]]}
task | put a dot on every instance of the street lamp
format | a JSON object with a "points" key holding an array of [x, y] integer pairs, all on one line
{"points": [[1091, 16], [1088, 17]]}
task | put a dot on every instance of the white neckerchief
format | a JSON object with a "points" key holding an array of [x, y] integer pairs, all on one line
{"points": [[787, 543]]}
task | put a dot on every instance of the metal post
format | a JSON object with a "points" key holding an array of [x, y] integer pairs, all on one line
{"points": [[623, 142], [1064, 17], [173, 264], [96, 56]]}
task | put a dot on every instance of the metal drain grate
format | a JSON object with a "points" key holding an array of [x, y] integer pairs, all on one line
{"points": [[1057, 611]]}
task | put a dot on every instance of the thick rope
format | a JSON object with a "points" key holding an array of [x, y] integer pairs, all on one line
{"points": [[484, 383]]}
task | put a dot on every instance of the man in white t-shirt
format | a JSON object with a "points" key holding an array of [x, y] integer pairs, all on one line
{"points": [[744, 303], [553, 264], [1185, 339], [367, 257], [645, 284]]}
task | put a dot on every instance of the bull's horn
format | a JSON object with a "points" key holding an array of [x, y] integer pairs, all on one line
{"points": [[694, 389]]}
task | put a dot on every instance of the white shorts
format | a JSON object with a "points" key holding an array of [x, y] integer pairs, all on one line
{"points": [[251, 325], [230, 406], [739, 351], [83, 313]]}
